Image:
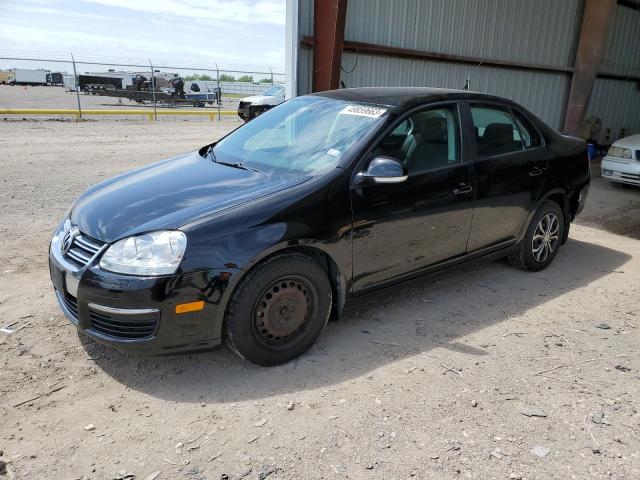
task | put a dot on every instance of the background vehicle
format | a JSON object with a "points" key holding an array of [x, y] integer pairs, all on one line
{"points": [[55, 78], [169, 89], [250, 107], [23, 76], [5, 77], [621, 164]]}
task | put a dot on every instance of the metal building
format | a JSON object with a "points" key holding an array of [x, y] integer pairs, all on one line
{"points": [[575, 63]]}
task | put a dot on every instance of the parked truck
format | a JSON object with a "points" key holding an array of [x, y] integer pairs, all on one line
{"points": [[55, 78], [5, 77], [22, 76]]}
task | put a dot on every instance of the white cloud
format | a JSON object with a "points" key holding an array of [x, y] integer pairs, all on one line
{"points": [[246, 11], [84, 43]]}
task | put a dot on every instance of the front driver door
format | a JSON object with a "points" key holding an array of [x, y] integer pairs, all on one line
{"points": [[403, 228]]}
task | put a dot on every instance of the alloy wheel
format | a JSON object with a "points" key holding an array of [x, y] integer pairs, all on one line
{"points": [[545, 237]]}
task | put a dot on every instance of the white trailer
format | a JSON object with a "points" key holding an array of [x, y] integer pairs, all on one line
{"points": [[22, 76], [69, 81], [120, 80]]}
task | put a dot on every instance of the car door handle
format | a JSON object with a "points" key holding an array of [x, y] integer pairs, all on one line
{"points": [[536, 171], [463, 189]]}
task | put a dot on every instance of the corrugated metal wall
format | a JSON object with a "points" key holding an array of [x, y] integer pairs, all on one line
{"points": [[536, 32], [615, 102], [543, 93], [305, 55], [622, 48], [542, 32]]}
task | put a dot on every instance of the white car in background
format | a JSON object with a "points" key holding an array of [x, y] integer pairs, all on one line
{"points": [[622, 161], [250, 107]]}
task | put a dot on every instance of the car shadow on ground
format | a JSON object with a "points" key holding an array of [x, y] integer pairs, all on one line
{"points": [[376, 330]]}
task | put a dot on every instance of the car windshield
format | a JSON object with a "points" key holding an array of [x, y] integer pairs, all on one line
{"points": [[274, 91], [304, 136]]}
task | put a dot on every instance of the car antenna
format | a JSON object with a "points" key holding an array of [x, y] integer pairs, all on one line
{"points": [[467, 84]]}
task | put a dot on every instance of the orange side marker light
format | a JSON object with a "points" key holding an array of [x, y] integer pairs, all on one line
{"points": [[190, 307]]}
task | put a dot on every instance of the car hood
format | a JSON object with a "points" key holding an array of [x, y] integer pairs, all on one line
{"points": [[628, 142], [169, 194]]}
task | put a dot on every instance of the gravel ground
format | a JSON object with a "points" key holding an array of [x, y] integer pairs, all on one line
{"points": [[487, 373]]}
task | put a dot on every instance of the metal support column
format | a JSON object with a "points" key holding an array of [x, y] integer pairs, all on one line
{"points": [[328, 32], [596, 20]]}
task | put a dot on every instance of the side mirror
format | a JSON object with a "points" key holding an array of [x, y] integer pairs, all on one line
{"points": [[384, 170]]}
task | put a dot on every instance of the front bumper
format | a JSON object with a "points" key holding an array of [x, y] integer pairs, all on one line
{"points": [[138, 314], [619, 170], [249, 112], [244, 113]]}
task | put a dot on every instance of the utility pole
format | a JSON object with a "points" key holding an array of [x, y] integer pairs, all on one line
{"points": [[75, 76]]}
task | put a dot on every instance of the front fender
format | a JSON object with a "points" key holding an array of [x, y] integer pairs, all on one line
{"points": [[339, 275]]}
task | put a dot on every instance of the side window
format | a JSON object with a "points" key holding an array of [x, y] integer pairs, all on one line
{"points": [[426, 140], [496, 131], [530, 137], [395, 143]]}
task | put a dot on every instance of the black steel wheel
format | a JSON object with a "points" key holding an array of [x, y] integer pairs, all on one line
{"points": [[283, 310], [278, 310]]}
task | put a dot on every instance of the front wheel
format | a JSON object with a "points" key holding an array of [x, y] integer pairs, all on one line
{"points": [[542, 241], [279, 310]]}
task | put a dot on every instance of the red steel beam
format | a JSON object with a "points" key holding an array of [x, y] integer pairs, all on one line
{"points": [[328, 37], [397, 52], [596, 20]]}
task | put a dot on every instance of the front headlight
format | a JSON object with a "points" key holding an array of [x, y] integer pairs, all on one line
{"points": [[155, 253], [619, 152]]}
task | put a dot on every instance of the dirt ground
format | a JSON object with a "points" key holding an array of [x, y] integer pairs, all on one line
{"points": [[488, 373]]}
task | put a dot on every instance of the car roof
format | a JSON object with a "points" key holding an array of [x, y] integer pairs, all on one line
{"points": [[632, 141], [401, 98]]}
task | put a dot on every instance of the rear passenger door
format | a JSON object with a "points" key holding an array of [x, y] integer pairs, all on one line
{"points": [[510, 161]]}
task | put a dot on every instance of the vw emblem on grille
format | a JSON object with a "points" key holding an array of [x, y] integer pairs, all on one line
{"points": [[67, 240]]}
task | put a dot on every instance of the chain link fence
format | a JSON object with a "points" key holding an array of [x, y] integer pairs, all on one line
{"points": [[85, 88]]}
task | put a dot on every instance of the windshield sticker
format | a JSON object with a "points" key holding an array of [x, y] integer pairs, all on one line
{"points": [[363, 111], [333, 152]]}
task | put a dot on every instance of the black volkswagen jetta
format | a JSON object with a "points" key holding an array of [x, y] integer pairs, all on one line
{"points": [[261, 237]]}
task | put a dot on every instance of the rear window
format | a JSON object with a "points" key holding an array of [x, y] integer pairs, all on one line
{"points": [[496, 131]]}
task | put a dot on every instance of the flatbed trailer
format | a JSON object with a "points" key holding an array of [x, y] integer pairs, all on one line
{"points": [[146, 96]]}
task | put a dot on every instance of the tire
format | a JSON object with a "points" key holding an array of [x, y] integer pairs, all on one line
{"points": [[262, 323], [542, 240]]}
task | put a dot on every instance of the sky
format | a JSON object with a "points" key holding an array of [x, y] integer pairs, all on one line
{"points": [[197, 33]]}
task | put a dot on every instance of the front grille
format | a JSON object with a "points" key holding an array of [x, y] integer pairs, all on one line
{"points": [[69, 305], [630, 176], [123, 329], [83, 249]]}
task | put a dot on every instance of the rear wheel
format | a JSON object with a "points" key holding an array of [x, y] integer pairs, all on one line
{"points": [[542, 240], [278, 310]]}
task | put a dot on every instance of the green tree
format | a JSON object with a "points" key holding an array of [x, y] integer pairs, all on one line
{"points": [[246, 78], [266, 80], [227, 78], [205, 78], [190, 78]]}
